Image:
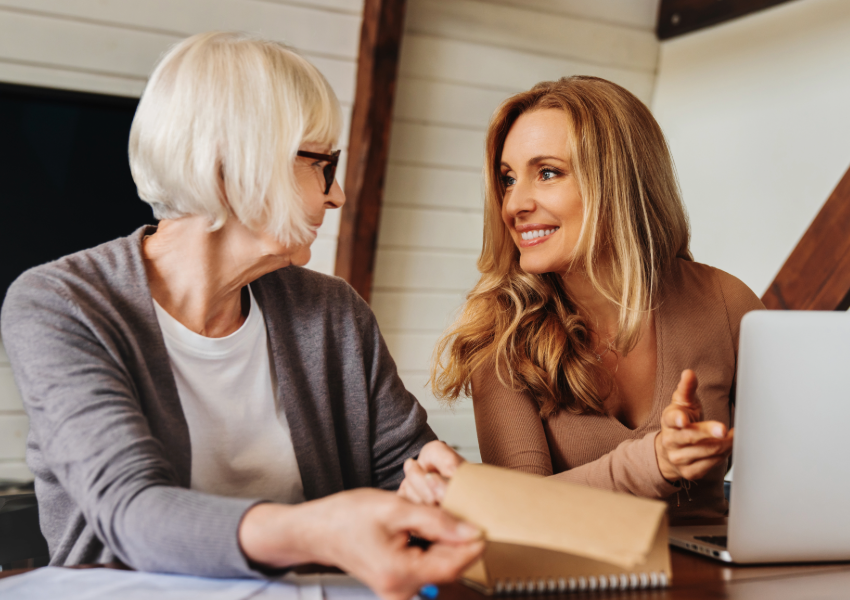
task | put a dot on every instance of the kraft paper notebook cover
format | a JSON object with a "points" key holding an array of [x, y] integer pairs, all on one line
{"points": [[545, 535]]}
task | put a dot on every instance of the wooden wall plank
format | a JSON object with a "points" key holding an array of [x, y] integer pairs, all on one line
{"points": [[377, 70], [678, 17], [816, 275], [593, 42]]}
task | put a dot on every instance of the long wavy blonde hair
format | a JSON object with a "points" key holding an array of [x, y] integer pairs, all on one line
{"points": [[634, 226]]}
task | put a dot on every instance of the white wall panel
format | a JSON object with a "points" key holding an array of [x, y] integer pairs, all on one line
{"points": [[13, 435], [10, 399], [517, 28], [430, 187], [421, 270], [310, 30], [14, 470], [436, 145], [417, 383], [641, 14], [350, 6], [413, 311], [439, 103], [437, 229], [103, 51], [491, 67], [25, 73]]}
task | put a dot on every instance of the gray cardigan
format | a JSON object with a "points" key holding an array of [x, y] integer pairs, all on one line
{"points": [[108, 440]]}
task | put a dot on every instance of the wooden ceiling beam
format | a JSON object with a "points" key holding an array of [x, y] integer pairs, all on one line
{"points": [[817, 274], [678, 17], [368, 147]]}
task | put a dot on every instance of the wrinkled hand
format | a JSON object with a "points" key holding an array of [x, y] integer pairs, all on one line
{"points": [[365, 533], [688, 447], [426, 478]]}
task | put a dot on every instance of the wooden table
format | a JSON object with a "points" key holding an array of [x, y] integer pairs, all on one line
{"points": [[700, 578], [697, 577]]}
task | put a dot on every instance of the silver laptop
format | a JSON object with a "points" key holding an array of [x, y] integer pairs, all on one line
{"points": [[790, 498]]}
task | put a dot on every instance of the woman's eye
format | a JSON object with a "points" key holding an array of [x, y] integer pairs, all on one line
{"points": [[508, 181], [549, 173]]}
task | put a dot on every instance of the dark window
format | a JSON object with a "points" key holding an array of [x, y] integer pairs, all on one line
{"points": [[65, 182]]}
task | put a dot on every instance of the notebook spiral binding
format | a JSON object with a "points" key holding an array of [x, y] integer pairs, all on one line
{"points": [[624, 581]]}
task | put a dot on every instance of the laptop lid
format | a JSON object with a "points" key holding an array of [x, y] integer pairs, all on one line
{"points": [[791, 494]]}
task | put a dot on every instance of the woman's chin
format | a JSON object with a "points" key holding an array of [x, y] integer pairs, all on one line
{"points": [[538, 267]]}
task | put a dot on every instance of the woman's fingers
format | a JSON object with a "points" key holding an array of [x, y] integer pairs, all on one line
{"points": [[417, 487], [684, 401], [695, 433], [691, 454], [438, 457], [435, 525]]}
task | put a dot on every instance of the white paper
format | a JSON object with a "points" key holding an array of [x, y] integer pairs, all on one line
{"points": [[50, 583]]}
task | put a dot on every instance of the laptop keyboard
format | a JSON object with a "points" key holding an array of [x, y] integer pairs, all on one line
{"points": [[717, 540]]}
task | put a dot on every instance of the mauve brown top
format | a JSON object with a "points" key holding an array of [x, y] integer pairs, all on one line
{"points": [[696, 326]]}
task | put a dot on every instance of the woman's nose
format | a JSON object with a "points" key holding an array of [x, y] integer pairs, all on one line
{"points": [[519, 201], [335, 197]]}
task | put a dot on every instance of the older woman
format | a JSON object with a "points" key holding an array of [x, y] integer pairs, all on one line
{"points": [[591, 314], [189, 386]]}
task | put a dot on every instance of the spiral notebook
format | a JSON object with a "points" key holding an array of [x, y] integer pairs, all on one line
{"points": [[551, 536]]}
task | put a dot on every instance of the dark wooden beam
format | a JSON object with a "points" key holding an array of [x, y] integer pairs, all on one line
{"points": [[817, 274], [368, 146], [678, 17]]}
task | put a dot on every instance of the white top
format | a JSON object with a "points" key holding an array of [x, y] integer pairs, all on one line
{"points": [[241, 445]]}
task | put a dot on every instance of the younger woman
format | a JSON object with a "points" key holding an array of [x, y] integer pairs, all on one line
{"points": [[590, 314]]}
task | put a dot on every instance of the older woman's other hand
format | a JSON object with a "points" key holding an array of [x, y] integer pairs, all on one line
{"points": [[688, 447], [364, 532], [426, 477]]}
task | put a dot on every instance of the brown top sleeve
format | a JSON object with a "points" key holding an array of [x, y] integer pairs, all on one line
{"points": [[510, 432], [631, 467]]}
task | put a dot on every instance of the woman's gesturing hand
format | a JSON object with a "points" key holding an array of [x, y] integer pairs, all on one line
{"points": [[364, 532], [426, 477], [688, 447]]}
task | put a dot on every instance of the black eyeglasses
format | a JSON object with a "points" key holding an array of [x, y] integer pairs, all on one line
{"points": [[329, 170]]}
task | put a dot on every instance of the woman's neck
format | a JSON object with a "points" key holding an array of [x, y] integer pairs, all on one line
{"points": [[198, 275], [603, 316]]}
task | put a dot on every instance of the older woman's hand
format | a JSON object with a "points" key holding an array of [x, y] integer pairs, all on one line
{"points": [[426, 477], [365, 533], [688, 447]]}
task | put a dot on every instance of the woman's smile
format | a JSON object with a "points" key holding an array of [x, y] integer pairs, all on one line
{"points": [[535, 234]]}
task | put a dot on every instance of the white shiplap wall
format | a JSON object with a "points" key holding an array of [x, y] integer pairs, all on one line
{"points": [[459, 60], [110, 46]]}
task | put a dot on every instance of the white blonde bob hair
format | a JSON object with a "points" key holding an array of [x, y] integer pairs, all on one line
{"points": [[218, 127]]}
